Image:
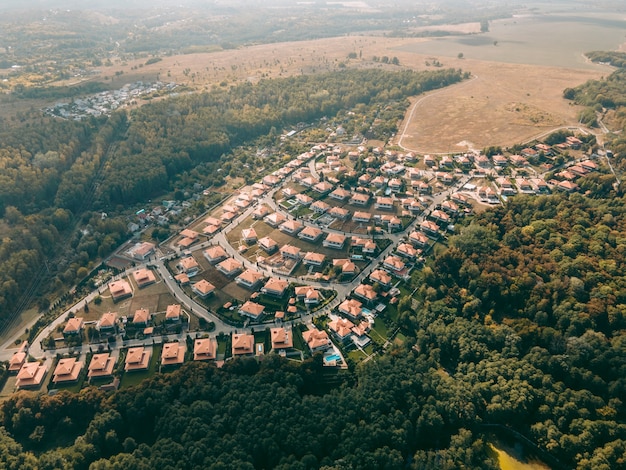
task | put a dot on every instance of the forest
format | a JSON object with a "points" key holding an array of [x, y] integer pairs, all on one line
{"points": [[58, 176], [519, 326]]}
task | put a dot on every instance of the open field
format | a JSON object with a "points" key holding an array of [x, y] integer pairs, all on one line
{"points": [[503, 104]]}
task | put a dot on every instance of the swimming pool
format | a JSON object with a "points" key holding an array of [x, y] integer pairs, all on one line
{"points": [[332, 358]]}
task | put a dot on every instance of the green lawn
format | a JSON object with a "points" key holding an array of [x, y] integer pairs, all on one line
{"points": [[379, 333], [356, 356]]}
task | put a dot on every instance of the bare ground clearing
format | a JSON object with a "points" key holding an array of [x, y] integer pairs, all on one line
{"points": [[502, 105]]}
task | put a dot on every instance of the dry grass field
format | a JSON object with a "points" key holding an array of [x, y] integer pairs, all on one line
{"points": [[503, 104]]}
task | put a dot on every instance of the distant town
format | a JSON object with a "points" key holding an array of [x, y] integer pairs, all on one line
{"points": [[103, 103]]}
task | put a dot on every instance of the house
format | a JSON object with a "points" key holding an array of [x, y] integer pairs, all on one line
{"points": [[319, 207], [215, 254], [482, 161], [67, 370], [446, 161], [429, 161], [281, 338], [359, 199], [487, 194], [205, 349], [290, 227], [106, 323], [366, 293], [252, 310], [364, 179], [182, 279], [141, 317], [271, 180], [274, 219], [335, 241], [275, 287], [211, 230], [120, 290], [261, 212], [173, 354], [395, 184], [384, 203], [323, 187], [359, 333], [189, 266], [450, 207], [414, 173], [418, 239], [540, 186], [242, 344], [566, 175], [31, 375], [362, 217], [189, 237], [573, 142], [308, 182], [341, 328], [348, 268], [506, 187], [289, 192], [578, 170], [19, 358], [440, 216], [304, 199], [249, 235], [393, 263], [73, 327], [366, 245], [268, 244], [500, 161], [381, 277], [144, 277], [352, 308], [314, 259], [142, 251], [101, 365], [518, 161], [228, 217], [394, 223], [421, 187], [406, 250], [229, 267], [173, 313], [310, 234], [339, 213], [340, 194], [290, 251], [137, 359], [213, 221], [316, 340], [308, 295], [203, 288], [525, 186], [429, 227], [589, 165], [567, 186], [460, 199], [249, 278]]}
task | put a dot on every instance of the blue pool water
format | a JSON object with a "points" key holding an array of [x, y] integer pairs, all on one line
{"points": [[334, 357]]}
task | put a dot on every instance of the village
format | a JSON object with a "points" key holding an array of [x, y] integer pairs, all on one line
{"points": [[313, 258], [103, 103]]}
